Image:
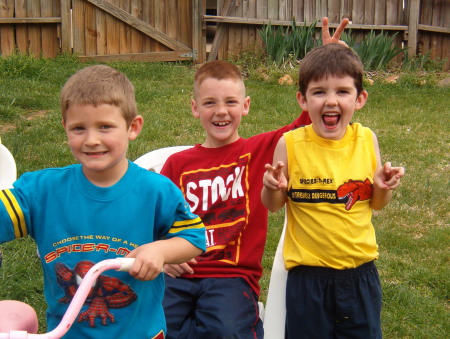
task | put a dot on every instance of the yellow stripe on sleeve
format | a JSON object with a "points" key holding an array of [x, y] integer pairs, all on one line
{"points": [[15, 213], [182, 225]]}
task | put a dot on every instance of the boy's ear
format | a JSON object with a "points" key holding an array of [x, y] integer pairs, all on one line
{"points": [[302, 101], [135, 127], [361, 100], [246, 106], [194, 108]]}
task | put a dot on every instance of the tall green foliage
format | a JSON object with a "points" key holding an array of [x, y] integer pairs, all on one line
{"points": [[375, 50], [292, 42]]}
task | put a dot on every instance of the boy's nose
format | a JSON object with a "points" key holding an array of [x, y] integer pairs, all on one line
{"points": [[91, 139], [331, 100], [221, 109]]}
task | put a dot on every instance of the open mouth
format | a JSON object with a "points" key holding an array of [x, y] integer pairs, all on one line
{"points": [[221, 123], [331, 119]]}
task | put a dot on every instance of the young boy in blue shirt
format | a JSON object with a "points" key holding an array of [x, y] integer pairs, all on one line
{"points": [[329, 174], [102, 208]]}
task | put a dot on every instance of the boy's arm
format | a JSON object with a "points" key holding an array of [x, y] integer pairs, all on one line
{"points": [[385, 180], [274, 192], [150, 258]]}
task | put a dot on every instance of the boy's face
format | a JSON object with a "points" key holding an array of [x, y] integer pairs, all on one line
{"points": [[220, 105], [331, 103], [98, 138]]}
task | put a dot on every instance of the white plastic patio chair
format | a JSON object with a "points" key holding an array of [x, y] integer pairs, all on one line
{"points": [[8, 170], [154, 160], [275, 309]]}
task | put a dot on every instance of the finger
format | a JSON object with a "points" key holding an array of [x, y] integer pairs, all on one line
{"points": [[340, 29], [325, 30]]}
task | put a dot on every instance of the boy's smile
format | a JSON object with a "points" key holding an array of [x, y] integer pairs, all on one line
{"points": [[220, 105], [331, 103], [98, 138]]}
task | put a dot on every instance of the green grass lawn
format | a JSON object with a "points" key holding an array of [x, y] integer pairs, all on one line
{"points": [[410, 119]]}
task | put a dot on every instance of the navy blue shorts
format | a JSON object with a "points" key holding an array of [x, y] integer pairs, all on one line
{"points": [[211, 308], [328, 303]]}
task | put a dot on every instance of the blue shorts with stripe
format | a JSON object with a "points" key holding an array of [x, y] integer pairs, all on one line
{"points": [[327, 303]]}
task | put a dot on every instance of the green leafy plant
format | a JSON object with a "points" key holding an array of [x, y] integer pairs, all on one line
{"points": [[284, 44], [375, 50], [422, 62]]}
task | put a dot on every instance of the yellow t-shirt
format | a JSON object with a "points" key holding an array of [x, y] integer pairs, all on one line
{"points": [[329, 190]]}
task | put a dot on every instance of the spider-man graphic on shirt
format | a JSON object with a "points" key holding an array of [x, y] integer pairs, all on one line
{"points": [[108, 292]]}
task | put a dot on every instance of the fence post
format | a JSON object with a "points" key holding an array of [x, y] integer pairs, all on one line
{"points": [[413, 26], [66, 27], [198, 31]]}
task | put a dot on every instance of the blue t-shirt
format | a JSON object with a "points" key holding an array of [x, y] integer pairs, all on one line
{"points": [[76, 224]]}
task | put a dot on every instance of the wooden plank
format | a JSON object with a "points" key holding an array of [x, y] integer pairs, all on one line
{"points": [[380, 12], [50, 46], [252, 30], [334, 9], [138, 24], [369, 12], [436, 29], [78, 27], [251, 21], [346, 9], [426, 12], [227, 9], [199, 31], [310, 11], [66, 26], [140, 57], [171, 18], [262, 9], [160, 21], [147, 8], [285, 10], [272, 9], [136, 36], [392, 12], [7, 31], [90, 29], [437, 39], [297, 11], [322, 9], [184, 26], [413, 26], [34, 32], [358, 12], [124, 29], [100, 25], [37, 20], [21, 30]]}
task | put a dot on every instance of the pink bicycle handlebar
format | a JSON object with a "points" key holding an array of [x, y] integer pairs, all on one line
{"points": [[118, 264]]}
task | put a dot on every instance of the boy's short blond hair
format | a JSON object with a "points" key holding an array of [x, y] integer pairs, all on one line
{"points": [[96, 85], [219, 70], [329, 60]]}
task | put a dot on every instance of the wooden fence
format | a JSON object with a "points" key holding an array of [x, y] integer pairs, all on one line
{"points": [[166, 30]]}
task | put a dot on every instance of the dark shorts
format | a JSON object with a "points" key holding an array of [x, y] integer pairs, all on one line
{"points": [[211, 308], [328, 303]]}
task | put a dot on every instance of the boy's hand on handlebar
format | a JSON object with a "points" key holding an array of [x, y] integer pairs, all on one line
{"points": [[148, 263]]}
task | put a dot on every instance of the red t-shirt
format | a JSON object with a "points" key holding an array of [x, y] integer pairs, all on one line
{"points": [[223, 186]]}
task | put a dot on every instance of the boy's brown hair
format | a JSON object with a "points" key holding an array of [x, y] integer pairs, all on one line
{"points": [[329, 60], [219, 70], [96, 85]]}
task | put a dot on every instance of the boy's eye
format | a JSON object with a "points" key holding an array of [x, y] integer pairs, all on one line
{"points": [[77, 128], [105, 127], [318, 92]]}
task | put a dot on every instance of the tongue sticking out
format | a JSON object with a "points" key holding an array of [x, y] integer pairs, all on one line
{"points": [[330, 120]]}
